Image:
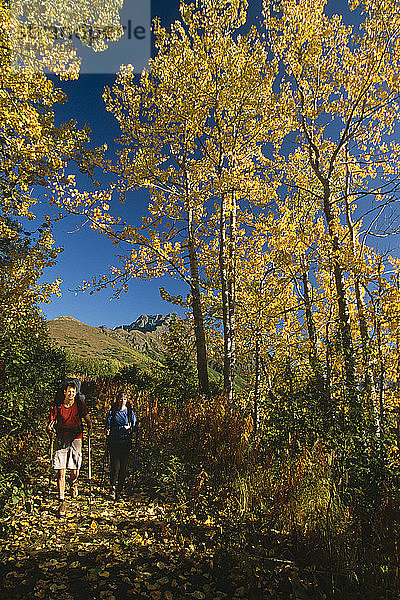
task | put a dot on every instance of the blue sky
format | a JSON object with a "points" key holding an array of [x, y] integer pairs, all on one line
{"points": [[86, 253]]}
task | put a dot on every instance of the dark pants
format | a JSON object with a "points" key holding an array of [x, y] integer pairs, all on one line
{"points": [[119, 454]]}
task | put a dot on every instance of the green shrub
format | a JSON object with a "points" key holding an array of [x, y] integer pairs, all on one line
{"points": [[30, 370]]}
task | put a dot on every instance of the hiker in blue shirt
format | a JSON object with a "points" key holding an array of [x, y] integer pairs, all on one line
{"points": [[119, 426]]}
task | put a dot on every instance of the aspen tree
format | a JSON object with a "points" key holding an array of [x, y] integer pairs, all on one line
{"points": [[33, 149], [192, 130], [344, 87], [264, 295]]}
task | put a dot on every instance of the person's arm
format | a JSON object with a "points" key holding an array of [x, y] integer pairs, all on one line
{"points": [[50, 427], [89, 424], [85, 415]]}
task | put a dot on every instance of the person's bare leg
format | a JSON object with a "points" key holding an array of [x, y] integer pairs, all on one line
{"points": [[73, 478], [61, 484], [61, 492]]}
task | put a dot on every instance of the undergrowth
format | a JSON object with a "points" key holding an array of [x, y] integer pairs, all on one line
{"points": [[203, 458]]}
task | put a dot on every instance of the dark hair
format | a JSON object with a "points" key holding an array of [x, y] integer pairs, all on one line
{"points": [[70, 383], [120, 394]]}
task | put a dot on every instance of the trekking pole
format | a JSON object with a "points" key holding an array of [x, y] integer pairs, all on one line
{"points": [[135, 451], [90, 471], [103, 466], [51, 463]]}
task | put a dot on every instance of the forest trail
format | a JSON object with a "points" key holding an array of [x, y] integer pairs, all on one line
{"points": [[100, 550], [139, 548]]}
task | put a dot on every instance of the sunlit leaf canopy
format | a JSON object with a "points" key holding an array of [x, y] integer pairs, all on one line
{"points": [[43, 35], [38, 38]]}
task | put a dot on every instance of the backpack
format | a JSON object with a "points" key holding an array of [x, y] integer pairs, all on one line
{"points": [[79, 398]]}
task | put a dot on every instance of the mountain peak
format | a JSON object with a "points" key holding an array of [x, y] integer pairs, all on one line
{"points": [[147, 323], [66, 318]]}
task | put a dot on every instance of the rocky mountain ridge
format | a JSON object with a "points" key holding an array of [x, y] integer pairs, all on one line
{"points": [[144, 334], [147, 323]]}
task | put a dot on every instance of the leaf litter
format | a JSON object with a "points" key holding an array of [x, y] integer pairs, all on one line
{"points": [[137, 548]]}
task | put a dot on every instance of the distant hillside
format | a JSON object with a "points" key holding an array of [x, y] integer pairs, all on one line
{"points": [[138, 343], [103, 343]]}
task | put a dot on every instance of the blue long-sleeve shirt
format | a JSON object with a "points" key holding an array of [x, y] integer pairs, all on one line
{"points": [[117, 423]]}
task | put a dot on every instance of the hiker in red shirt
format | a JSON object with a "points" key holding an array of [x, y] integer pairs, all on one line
{"points": [[65, 425]]}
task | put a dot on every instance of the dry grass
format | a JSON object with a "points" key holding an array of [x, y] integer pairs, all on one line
{"points": [[90, 342]]}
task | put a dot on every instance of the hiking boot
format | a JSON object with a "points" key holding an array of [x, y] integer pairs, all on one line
{"points": [[74, 489], [113, 493], [61, 509]]}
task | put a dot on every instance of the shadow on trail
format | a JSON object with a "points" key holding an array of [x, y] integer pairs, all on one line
{"points": [[146, 549], [126, 572]]}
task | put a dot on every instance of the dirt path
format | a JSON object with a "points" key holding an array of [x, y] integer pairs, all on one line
{"points": [[102, 549], [141, 548]]}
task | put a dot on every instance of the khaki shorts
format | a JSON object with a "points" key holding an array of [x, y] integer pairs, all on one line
{"points": [[67, 455]]}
